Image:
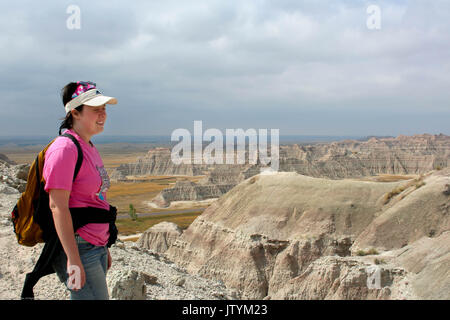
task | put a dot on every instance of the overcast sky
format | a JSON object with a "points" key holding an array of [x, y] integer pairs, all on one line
{"points": [[304, 67]]}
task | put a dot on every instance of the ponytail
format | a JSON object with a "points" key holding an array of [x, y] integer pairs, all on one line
{"points": [[66, 96]]}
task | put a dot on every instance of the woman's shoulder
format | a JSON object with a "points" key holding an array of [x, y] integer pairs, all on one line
{"points": [[62, 145]]}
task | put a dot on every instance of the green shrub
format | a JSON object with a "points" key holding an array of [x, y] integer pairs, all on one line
{"points": [[417, 182], [371, 251], [420, 184], [393, 193], [360, 253], [132, 212]]}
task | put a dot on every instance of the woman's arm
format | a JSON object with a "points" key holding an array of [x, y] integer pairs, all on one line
{"points": [[109, 260], [59, 204]]}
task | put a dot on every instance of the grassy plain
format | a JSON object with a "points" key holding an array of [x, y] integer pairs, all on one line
{"points": [[139, 191], [128, 226]]}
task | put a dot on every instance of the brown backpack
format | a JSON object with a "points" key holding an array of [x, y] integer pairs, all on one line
{"points": [[31, 216]]}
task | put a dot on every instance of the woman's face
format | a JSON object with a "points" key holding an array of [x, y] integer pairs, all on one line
{"points": [[91, 119]]}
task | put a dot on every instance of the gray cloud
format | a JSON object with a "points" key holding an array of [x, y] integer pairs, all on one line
{"points": [[305, 67]]}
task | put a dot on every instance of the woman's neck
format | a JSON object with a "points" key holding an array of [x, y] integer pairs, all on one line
{"points": [[86, 137]]}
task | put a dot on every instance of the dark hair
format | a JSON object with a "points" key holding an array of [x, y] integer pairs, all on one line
{"points": [[66, 96]]}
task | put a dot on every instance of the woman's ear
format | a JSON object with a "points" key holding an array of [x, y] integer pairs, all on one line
{"points": [[75, 114]]}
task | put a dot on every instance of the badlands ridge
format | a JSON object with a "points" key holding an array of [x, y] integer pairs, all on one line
{"points": [[403, 155]]}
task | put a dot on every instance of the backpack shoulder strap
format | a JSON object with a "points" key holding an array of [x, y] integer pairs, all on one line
{"points": [[80, 153]]}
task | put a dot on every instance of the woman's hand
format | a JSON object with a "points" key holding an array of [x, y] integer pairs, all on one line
{"points": [[109, 259], [59, 204], [77, 276]]}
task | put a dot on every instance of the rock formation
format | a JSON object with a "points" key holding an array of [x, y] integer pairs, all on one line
{"points": [[344, 159], [349, 158], [12, 175], [289, 236], [159, 237], [4, 158], [419, 208], [129, 285], [157, 162], [190, 191]]}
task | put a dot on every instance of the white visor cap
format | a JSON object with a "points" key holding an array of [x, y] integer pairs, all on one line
{"points": [[91, 98]]}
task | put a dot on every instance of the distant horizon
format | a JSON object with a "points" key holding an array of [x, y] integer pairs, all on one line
{"points": [[27, 140], [161, 138]]}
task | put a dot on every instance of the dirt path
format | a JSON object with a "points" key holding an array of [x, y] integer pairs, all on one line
{"points": [[122, 216]]}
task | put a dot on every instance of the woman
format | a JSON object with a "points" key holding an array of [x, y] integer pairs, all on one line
{"points": [[85, 258]]}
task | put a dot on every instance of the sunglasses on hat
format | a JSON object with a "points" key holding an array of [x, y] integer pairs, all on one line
{"points": [[82, 87]]}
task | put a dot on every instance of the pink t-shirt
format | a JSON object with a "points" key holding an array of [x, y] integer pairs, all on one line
{"points": [[88, 189]]}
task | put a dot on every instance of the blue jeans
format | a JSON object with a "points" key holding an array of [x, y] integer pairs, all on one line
{"points": [[95, 262]]}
